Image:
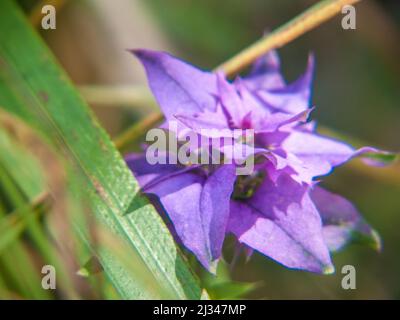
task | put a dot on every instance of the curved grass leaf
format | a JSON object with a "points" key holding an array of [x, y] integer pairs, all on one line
{"points": [[33, 87]]}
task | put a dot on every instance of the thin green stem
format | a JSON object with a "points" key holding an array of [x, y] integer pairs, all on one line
{"points": [[309, 19], [137, 130], [15, 223], [132, 97]]}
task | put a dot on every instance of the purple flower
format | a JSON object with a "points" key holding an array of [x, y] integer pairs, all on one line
{"points": [[278, 209]]}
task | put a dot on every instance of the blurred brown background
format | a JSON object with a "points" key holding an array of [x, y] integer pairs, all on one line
{"points": [[356, 92]]}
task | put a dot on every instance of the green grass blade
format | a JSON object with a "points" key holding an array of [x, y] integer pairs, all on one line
{"points": [[33, 87]]}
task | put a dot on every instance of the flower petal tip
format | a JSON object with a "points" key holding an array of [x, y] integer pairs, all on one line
{"points": [[139, 52], [311, 59], [375, 157], [376, 241], [135, 51], [146, 54], [329, 269], [212, 267]]}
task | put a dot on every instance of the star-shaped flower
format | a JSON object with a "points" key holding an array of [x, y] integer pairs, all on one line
{"points": [[278, 209]]}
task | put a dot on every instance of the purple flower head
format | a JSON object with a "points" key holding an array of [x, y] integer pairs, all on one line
{"points": [[277, 209]]}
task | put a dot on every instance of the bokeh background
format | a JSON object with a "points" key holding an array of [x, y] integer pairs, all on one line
{"points": [[356, 93]]}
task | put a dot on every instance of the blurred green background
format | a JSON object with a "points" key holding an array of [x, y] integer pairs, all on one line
{"points": [[356, 92]]}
